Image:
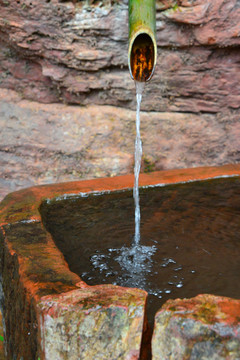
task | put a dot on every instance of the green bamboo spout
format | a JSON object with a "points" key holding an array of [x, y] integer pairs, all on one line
{"points": [[142, 51]]}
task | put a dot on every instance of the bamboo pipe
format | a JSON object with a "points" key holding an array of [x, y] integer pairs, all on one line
{"points": [[142, 51]]}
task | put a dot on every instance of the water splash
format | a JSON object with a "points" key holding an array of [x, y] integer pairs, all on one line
{"points": [[133, 267], [138, 157], [128, 266]]}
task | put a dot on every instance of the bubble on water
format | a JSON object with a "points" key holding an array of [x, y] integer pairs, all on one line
{"points": [[155, 292], [178, 268], [111, 273], [99, 262], [167, 261], [103, 267], [179, 285], [167, 291]]}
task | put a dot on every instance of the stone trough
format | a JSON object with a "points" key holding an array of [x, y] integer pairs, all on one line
{"points": [[50, 313]]}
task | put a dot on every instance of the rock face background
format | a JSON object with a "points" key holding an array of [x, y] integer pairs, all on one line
{"points": [[76, 54]]}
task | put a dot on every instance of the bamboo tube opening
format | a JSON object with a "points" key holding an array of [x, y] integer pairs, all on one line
{"points": [[142, 57]]}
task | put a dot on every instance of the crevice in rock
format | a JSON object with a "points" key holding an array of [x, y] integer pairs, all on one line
{"points": [[146, 344]]}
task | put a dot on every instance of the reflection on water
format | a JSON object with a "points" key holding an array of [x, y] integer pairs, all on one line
{"points": [[190, 242]]}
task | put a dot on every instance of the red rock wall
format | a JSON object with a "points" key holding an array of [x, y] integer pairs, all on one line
{"points": [[56, 51], [76, 53]]}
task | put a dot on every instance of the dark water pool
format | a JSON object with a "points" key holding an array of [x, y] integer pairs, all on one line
{"points": [[190, 239]]}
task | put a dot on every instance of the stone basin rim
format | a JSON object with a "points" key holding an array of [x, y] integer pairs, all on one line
{"points": [[34, 195], [22, 206]]}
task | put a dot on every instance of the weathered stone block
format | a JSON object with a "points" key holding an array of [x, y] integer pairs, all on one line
{"points": [[99, 322], [200, 328]]}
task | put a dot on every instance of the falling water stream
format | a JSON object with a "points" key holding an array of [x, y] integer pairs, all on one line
{"points": [[135, 260], [138, 157]]}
